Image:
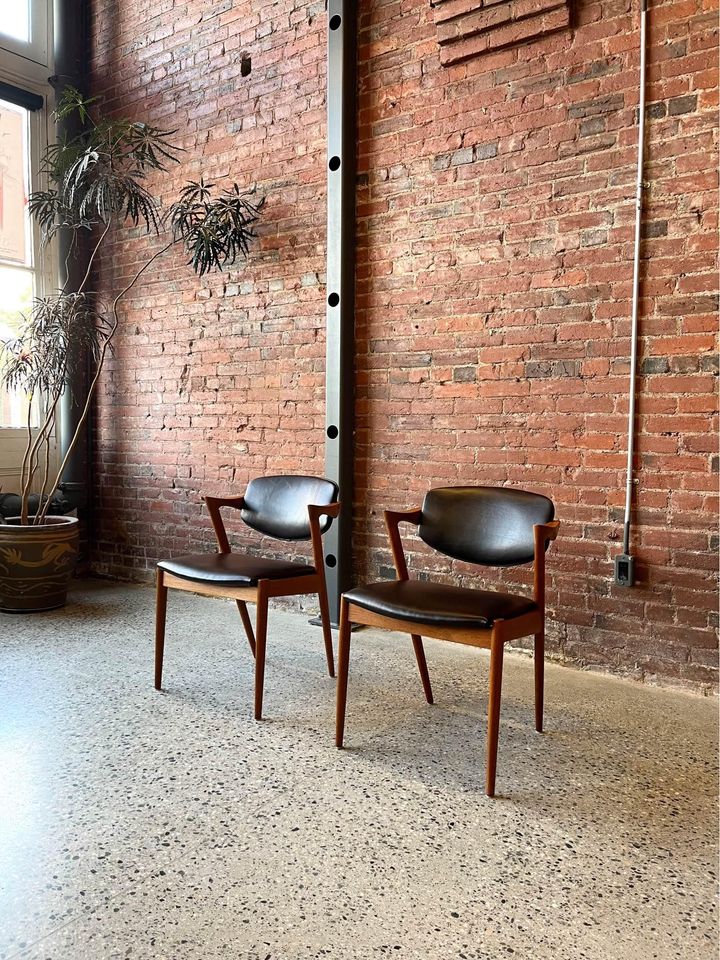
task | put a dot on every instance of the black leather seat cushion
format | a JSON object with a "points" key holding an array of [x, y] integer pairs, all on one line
{"points": [[232, 569], [439, 604]]}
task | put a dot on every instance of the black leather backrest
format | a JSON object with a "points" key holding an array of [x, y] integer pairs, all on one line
{"points": [[488, 525], [277, 506]]}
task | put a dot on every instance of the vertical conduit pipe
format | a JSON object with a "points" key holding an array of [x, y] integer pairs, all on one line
{"points": [[636, 284], [70, 62]]}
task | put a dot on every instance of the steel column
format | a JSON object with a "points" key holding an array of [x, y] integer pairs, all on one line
{"points": [[70, 61], [340, 306]]}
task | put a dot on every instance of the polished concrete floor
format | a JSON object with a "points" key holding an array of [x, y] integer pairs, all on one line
{"points": [[171, 826]]}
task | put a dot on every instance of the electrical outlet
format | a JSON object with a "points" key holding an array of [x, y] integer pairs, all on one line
{"points": [[624, 570]]}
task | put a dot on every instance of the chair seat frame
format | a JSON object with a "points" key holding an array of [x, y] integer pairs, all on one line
{"points": [[259, 594], [493, 638]]}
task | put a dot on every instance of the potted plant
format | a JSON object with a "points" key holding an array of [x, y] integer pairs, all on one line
{"points": [[97, 181]]}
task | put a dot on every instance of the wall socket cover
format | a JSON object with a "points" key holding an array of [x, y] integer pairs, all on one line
{"points": [[624, 570]]}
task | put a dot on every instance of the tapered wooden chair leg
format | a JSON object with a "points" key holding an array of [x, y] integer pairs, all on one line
{"points": [[539, 679], [247, 624], [422, 666], [160, 615], [496, 667], [260, 638], [343, 668], [327, 633]]}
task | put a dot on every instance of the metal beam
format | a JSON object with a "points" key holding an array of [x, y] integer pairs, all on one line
{"points": [[340, 271]]}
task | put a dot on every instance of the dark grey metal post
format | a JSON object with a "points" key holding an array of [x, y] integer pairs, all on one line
{"points": [[339, 370], [70, 59]]}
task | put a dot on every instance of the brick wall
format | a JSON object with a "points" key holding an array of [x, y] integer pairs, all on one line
{"points": [[218, 380], [495, 239]]}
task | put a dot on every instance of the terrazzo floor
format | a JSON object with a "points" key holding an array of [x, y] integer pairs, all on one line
{"points": [[171, 826]]}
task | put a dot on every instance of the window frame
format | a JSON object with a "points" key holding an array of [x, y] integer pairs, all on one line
{"points": [[43, 264], [19, 69], [32, 58]]}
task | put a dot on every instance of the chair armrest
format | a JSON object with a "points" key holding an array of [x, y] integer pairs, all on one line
{"points": [[544, 533], [214, 505], [315, 511], [237, 502], [393, 518], [331, 510], [548, 531]]}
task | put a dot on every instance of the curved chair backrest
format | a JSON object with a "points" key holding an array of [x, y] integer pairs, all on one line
{"points": [[278, 506], [492, 526]]}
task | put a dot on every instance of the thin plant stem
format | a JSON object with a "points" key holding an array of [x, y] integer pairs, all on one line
{"points": [[26, 463], [48, 422], [46, 473], [45, 433], [32, 465], [63, 289], [92, 258], [32, 451], [29, 462], [98, 370], [28, 443]]}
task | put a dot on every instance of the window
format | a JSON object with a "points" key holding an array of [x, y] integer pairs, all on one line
{"points": [[17, 260], [16, 22], [25, 271], [25, 34]]}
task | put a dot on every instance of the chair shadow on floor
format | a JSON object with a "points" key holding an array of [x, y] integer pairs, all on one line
{"points": [[224, 688], [586, 760]]}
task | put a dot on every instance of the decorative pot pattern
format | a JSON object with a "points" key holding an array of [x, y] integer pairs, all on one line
{"points": [[36, 563]]}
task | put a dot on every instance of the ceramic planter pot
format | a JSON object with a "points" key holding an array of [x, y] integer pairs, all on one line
{"points": [[36, 563]]}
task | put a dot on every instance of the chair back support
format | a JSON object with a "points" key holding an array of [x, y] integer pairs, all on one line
{"points": [[278, 506], [492, 526]]}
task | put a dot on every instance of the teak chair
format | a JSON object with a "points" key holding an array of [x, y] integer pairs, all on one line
{"points": [[285, 508], [491, 526]]}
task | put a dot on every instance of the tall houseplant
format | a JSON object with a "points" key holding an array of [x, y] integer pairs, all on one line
{"points": [[105, 178]]}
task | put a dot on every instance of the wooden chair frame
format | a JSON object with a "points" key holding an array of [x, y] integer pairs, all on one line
{"points": [[493, 639], [259, 595]]}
